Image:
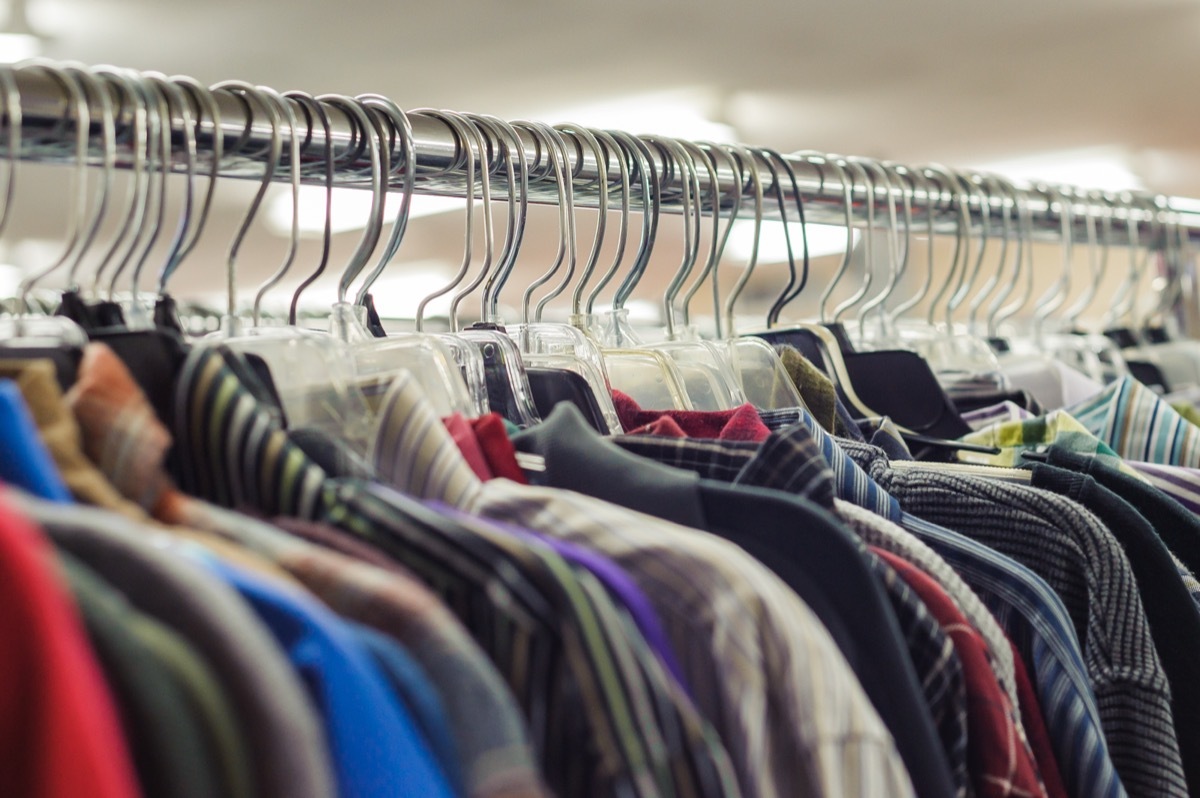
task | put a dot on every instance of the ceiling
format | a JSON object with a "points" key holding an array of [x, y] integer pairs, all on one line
{"points": [[955, 82]]}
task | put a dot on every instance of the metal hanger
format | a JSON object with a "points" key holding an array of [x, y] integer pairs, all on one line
{"points": [[1056, 296], [897, 255], [1097, 259], [315, 112], [994, 279], [720, 237], [189, 233], [998, 312]]}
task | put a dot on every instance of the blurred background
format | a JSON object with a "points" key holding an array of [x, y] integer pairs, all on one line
{"points": [[1099, 94]]}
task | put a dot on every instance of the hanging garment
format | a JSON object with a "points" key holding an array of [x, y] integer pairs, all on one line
{"points": [[161, 722], [59, 728], [1001, 763], [1173, 617], [740, 424], [845, 590], [1078, 557], [373, 741], [27, 462], [286, 742]]}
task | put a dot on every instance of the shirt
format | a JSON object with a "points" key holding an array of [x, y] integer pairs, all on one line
{"points": [[1173, 617], [827, 568], [286, 741], [719, 606], [1078, 557], [373, 739], [59, 730], [1138, 425], [1001, 765], [584, 679]]}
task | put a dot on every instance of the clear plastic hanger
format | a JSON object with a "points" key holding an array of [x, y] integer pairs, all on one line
{"points": [[649, 376], [313, 377], [450, 370], [707, 371], [701, 369], [38, 333], [561, 347], [507, 385]]}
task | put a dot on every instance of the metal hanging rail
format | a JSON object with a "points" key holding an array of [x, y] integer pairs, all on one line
{"points": [[46, 132]]}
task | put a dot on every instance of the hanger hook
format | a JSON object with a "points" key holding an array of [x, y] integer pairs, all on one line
{"points": [[846, 181], [401, 128], [288, 115], [893, 238], [868, 239], [633, 161], [577, 132], [675, 159], [1057, 295], [609, 147], [245, 92], [651, 216], [464, 139], [774, 159], [916, 176], [206, 104], [517, 173], [475, 137], [77, 103], [748, 166], [369, 127], [998, 313], [962, 235], [706, 154], [976, 186], [1097, 256], [315, 112], [1006, 206]]}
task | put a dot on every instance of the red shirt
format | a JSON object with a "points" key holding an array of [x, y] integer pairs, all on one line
{"points": [[60, 736], [740, 424], [1000, 763]]}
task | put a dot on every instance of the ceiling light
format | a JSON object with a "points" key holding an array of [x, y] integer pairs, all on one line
{"points": [[680, 114], [351, 209], [1105, 168], [18, 40], [823, 239]]}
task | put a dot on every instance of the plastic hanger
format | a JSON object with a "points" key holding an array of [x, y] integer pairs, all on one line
{"points": [[506, 381], [764, 380], [312, 376], [563, 363], [651, 377], [22, 336], [655, 373], [450, 370], [815, 341], [706, 368]]}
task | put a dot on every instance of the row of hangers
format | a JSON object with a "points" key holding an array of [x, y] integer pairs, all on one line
{"points": [[331, 378]]}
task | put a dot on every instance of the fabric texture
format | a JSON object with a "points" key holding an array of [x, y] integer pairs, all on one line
{"points": [[1001, 763], [1037, 733], [847, 591], [848, 750], [1173, 617], [59, 430], [285, 738], [59, 729], [740, 424], [374, 743], [162, 727], [1078, 557]]}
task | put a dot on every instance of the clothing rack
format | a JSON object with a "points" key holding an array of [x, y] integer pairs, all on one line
{"points": [[46, 111]]}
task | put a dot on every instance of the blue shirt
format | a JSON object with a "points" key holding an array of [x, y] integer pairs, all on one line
{"points": [[375, 746], [24, 459]]}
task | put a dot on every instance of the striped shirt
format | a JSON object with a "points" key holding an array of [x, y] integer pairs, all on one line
{"points": [[763, 668], [604, 716], [1079, 558]]}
